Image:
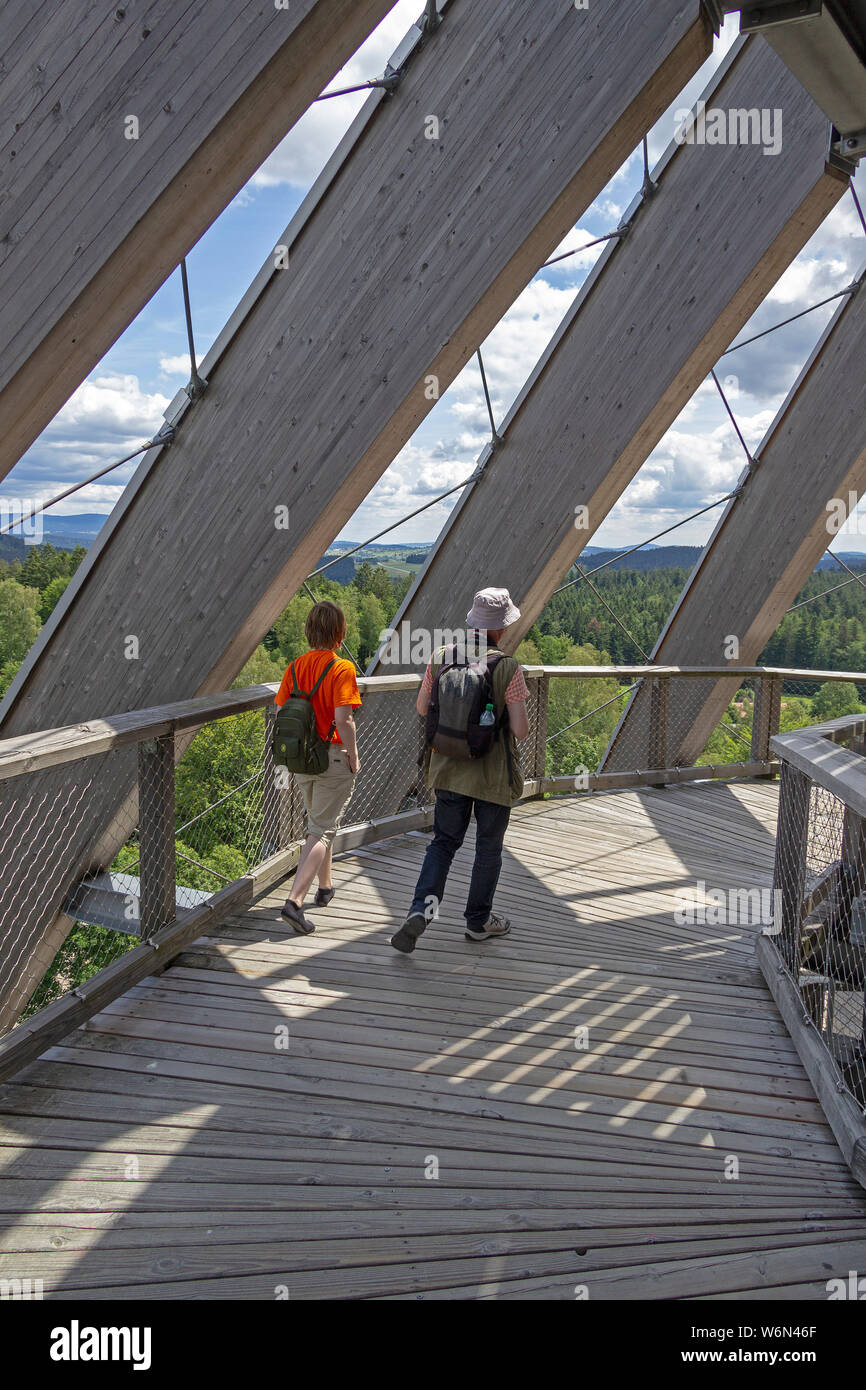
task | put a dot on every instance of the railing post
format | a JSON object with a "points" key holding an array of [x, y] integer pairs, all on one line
{"points": [[539, 751], [272, 796], [850, 883], [157, 871], [789, 871], [657, 753], [766, 717]]}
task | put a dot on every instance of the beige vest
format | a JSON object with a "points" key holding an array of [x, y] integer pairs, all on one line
{"points": [[487, 778]]}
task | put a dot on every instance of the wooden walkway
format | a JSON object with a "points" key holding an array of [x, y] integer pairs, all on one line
{"points": [[427, 1127]]}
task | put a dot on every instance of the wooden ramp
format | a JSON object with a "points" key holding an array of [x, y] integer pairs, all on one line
{"points": [[429, 1128]]}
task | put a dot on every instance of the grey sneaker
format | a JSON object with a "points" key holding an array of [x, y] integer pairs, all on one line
{"points": [[406, 938], [494, 926]]}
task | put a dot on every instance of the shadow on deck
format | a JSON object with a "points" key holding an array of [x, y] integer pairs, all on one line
{"points": [[434, 1127]]}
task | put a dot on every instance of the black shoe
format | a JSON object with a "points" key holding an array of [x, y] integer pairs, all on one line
{"points": [[295, 915], [406, 938], [324, 896]]}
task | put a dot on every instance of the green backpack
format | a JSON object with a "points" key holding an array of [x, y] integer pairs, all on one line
{"points": [[297, 743]]}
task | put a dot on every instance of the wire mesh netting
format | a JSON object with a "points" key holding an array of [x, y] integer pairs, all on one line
{"points": [[81, 887], [581, 717], [707, 722], [73, 850], [820, 918]]}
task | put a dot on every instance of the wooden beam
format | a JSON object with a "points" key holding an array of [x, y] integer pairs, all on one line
{"points": [[405, 259], [651, 320], [698, 260], [92, 221], [750, 573]]}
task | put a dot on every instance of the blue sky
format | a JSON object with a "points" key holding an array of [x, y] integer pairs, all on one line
{"points": [[123, 400]]}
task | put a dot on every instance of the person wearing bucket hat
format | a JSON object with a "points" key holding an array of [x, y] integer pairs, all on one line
{"points": [[468, 773]]}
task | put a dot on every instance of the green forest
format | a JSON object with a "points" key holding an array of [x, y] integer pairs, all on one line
{"points": [[575, 628]]}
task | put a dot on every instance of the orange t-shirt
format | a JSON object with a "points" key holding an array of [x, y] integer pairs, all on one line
{"points": [[338, 688]]}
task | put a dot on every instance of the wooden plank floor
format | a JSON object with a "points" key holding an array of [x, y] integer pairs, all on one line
{"points": [[322, 1118]]}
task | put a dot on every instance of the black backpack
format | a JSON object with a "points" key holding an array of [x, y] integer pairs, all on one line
{"points": [[297, 743], [462, 691]]}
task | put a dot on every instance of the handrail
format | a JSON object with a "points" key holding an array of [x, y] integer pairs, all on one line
{"points": [[34, 752], [818, 751], [813, 956]]}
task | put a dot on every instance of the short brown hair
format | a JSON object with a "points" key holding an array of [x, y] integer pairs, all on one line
{"points": [[325, 626]]}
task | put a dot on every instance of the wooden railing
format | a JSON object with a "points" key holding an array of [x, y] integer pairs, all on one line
{"points": [[814, 954], [146, 746]]}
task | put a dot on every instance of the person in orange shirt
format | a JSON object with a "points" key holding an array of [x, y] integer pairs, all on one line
{"points": [[327, 794]]}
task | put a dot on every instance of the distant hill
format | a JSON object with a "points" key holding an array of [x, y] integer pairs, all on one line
{"points": [[651, 557], [68, 531], [343, 572], [11, 548], [65, 532], [855, 558], [382, 545]]}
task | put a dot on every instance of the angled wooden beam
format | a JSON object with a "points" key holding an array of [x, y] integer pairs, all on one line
{"points": [[770, 537], [439, 208], [652, 318], [124, 131]]}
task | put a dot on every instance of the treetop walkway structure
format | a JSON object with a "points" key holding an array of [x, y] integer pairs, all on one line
{"points": [[658, 1085]]}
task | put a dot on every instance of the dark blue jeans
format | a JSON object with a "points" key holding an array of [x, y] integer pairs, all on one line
{"points": [[450, 823]]}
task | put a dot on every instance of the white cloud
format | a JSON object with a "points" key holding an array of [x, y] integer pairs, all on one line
{"points": [[107, 408], [107, 417], [300, 157], [175, 366]]}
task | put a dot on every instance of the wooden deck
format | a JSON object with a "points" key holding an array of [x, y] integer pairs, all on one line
{"points": [[176, 1148]]}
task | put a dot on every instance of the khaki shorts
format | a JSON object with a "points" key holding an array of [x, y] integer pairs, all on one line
{"points": [[327, 794]]}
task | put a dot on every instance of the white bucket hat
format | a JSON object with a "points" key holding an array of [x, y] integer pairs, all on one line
{"points": [[492, 609]]}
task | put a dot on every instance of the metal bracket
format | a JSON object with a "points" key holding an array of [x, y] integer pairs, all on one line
{"points": [[432, 17], [195, 387], [835, 159], [648, 188], [484, 459], [392, 79], [754, 18], [752, 464], [849, 147]]}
